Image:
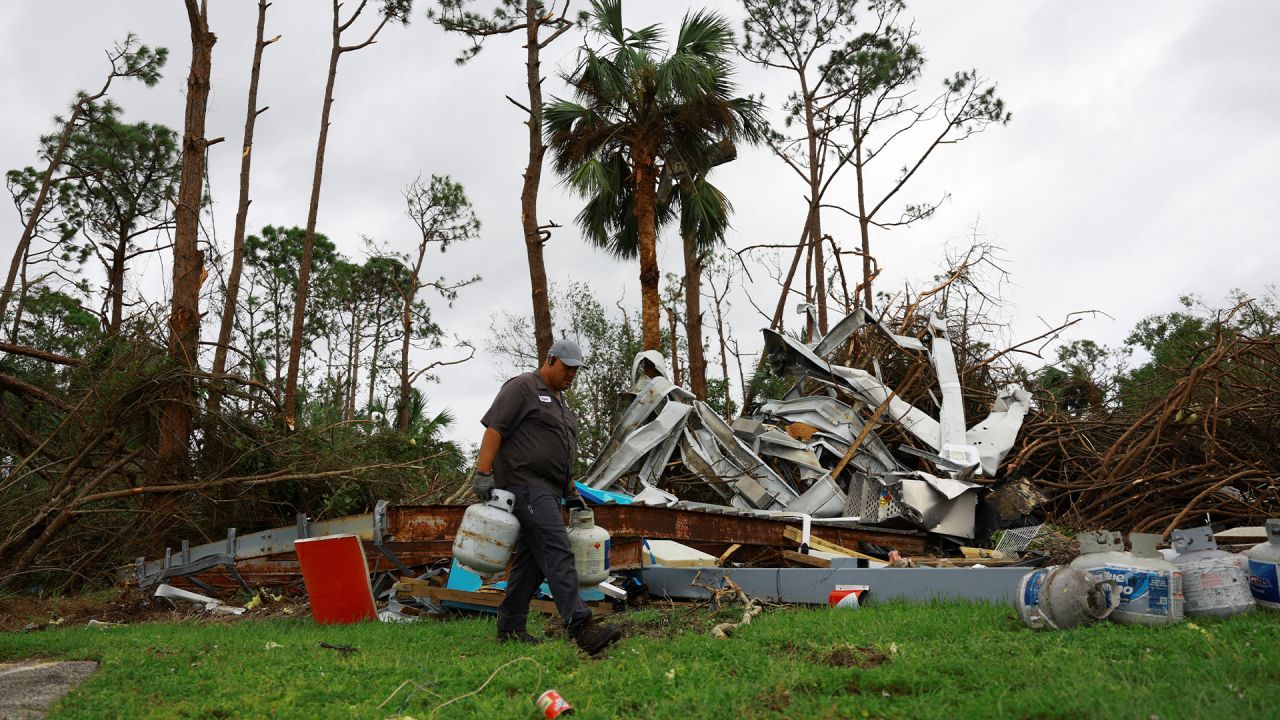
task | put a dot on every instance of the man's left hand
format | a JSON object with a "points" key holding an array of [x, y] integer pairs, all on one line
{"points": [[575, 502]]}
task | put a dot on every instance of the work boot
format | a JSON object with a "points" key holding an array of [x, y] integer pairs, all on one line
{"points": [[593, 637], [517, 636]]}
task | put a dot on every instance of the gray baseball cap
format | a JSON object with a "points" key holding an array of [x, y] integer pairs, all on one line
{"points": [[568, 352]]}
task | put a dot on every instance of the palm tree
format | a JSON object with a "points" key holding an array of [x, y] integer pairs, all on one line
{"points": [[609, 222], [704, 218], [637, 112]]}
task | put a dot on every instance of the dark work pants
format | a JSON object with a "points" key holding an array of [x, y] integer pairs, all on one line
{"points": [[542, 552]]}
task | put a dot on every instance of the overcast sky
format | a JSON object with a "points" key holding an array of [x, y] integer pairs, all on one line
{"points": [[1142, 162]]}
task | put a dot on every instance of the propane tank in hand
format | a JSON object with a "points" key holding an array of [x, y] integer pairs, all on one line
{"points": [[487, 534]]}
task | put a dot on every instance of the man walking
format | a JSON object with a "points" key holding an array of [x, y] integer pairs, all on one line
{"points": [[529, 444]]}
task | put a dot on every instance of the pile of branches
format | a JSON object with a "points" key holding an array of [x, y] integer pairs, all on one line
{"points": [[1197, 442], [83, 491], [1208, 447]]}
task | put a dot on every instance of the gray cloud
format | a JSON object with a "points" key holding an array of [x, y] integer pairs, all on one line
{"points": [[1141, 162]]}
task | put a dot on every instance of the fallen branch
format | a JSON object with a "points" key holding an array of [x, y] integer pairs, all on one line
{"points": [[247, 480], [39, 354], [749, 611]]}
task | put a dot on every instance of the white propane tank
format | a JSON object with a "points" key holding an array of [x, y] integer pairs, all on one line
{"points": [[1151, 587], [487, 534], [590, 544], [1060, 597], [1099, 549], [1263, 562], [1214, 581]]}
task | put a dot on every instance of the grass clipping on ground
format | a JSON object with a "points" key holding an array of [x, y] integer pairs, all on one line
{"points": [[941, 660]]}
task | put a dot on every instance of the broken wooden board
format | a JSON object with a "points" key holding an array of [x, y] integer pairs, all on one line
{"points": [[724, 556], [963, 562], [410, 588], [803, 560], [793, 534]]}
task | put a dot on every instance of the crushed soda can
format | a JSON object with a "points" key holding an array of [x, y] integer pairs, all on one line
{"points": [[846, 596], [553, 706]]}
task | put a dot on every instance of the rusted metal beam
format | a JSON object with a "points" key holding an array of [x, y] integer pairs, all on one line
{"points": [[440, 522], [423, 535]]}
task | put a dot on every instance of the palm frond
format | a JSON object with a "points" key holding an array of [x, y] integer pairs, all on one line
{"points": [[704, 34], [679, 108], [606, 19], [704, 212]]}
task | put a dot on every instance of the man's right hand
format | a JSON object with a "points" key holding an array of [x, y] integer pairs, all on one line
{"points": [[482, 484]]}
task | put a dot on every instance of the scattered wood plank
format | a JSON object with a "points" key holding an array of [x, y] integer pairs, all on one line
{"points": [[724, 556], [796, 558], [793, 534], [421, 589]]}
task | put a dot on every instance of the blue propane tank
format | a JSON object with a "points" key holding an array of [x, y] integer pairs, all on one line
{"points": [[1152, 586], [1263, 560]]}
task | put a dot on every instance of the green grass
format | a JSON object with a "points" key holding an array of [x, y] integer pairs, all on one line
{"points": [[895, 661]]}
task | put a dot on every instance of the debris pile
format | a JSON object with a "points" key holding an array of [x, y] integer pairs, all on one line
{"points": [[816, 450], [1209, 443]]}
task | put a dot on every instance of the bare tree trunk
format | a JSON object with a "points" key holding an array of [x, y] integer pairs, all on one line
{"points": [[864, 223], [46, 181], [533, 235], [647, 232], [377, 348], [242, 214], [188, 261], [673, 325], [115, 281], [808, 290], [724, 355], [406, 325], [308, 244], [353, 363], [313, 210], [693, 316], [780, 311], [844, 280], [815, 216], [278, 356], [748, 395], [22, 299]]}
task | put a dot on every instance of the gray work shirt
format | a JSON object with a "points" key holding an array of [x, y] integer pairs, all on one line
{"points": [[539, 434]]}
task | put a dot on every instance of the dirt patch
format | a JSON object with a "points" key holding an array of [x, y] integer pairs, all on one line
{"points": [[791, 648], [775, 699], [127, 607], [665, 622], [865, 658]]}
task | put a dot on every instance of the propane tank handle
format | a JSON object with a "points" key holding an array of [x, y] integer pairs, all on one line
{"points": [[502, 499], [1273, 531], [582, 516], [1100, 541], [1144, 544], [1194, 539]]}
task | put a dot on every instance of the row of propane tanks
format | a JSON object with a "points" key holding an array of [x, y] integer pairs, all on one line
{"points": [[489, 531], [1142, 587]]}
